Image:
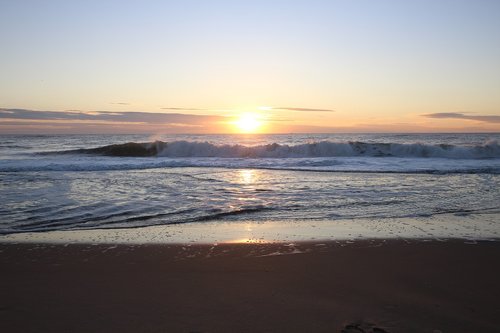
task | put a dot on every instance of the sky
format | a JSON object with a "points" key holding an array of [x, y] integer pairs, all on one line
{"points": [[268, 66]]}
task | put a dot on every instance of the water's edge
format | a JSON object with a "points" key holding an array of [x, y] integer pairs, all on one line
{"points": [[469, 228]]}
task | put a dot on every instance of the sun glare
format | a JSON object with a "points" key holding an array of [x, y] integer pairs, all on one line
{"points": [[248, 123]]}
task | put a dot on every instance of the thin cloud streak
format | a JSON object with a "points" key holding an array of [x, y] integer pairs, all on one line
{"points": [[302, 109], [284, 108], [132, 117], [185, 109], [455, 115]]}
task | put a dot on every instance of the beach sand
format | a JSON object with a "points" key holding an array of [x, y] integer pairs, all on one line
{"points": [[375, 285]]}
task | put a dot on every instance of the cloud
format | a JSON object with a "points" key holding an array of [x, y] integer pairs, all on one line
{"points": [[456, 115], [106, 116], [185, 109], [30, 121], [288, 108], [120, 103]]}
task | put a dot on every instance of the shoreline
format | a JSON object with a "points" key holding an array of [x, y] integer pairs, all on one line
{"points": [[469, 227], [393, 285]]}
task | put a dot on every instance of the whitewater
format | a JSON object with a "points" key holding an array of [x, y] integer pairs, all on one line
{"points": [[74, 182]]}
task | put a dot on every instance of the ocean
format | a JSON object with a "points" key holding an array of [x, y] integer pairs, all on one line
{"points": [[75, 182]]}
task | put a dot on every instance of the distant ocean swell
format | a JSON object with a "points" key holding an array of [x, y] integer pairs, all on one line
{"points": [[490, 149]]}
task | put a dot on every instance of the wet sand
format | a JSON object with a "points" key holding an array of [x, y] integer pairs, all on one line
{"points": [[375, 285]]}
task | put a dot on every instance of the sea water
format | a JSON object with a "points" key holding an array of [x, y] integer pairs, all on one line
{"points": [[62, 182]]}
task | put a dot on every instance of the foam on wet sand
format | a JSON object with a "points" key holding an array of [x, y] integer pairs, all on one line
{"points": [[470, 227]]}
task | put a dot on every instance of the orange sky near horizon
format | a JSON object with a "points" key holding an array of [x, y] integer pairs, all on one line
{"points": [[257, 120]]}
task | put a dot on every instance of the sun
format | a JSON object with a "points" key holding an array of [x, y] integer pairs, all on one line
{"points": [[248, 123]]}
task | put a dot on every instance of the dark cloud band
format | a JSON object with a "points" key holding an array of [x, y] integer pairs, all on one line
{"points": [[141, 117]]}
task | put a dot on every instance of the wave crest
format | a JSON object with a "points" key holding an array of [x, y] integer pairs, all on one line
{"points": [[490, 149]]}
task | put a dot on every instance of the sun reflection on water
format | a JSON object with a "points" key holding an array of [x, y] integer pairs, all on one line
{"points": [[248, 237], [248, 241], [247, 176]]}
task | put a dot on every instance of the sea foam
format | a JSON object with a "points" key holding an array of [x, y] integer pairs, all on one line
{"points": [[489, 149]]}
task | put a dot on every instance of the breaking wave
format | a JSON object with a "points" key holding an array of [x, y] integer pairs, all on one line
{"points": [[490, 149]]}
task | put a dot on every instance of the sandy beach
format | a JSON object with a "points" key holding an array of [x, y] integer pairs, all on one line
{"points": [[361, 286]]}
